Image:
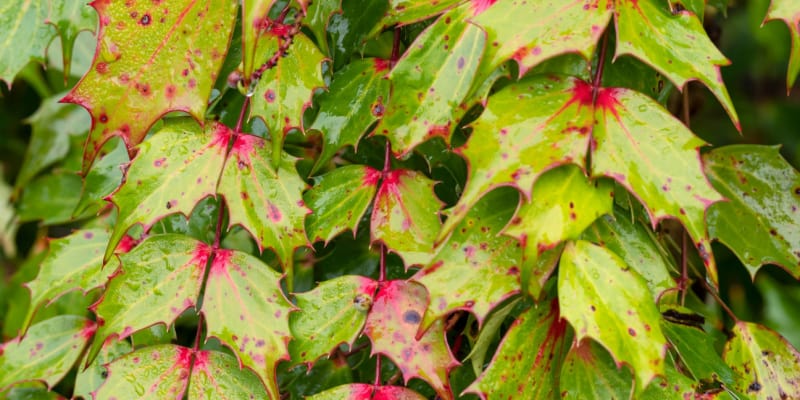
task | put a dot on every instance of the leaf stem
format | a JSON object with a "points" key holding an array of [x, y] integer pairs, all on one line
{"points": [[220, 220], [683, 287], [198, 335], [598, 76], [395, 47], [240, 122], [382, 273], [719, 300]]}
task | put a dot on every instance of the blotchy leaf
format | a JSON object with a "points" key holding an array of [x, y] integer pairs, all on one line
{"points": [[46, 353], [331, 314], [404, 12], [766, 364], [607, 301], [363, 391], [267, 202], [171, 65], [353, 103], [255, 25], [217, 375], [789, 12], [673, 386], [339, 199], [159, 280], [589, 372], [392, 326], [156, 372], [761, 222], [246, 309], [405, 216], [431, 79], [476, 268], [89, 379], [529, 358], [674, 44]]}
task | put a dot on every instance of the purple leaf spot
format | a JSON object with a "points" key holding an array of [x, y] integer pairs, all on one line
{"points": [[412, 317], [269, 96], [631, 332], [88, 235], [145, 20], [274, 213]]}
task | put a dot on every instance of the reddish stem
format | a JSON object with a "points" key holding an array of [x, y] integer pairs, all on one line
{"points": [[240, 122], [395, 47], [719, 300], [198, 335], [598, 76], [220, 220]]}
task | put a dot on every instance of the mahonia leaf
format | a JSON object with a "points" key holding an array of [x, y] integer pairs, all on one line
{"points": [[351, 29], [257, 329], [267, 202], [331, 314], [589, 372], [255, 25], [217, 375], [339, 199], [392, 326], [404, 12], [405, 216], [766, 364], [173, 171], [423, 100], [159, 280], [596, 289], [476, 268], [696, 349], [73, 262], [156, 372], [171, 65], [540, 29], [759, 223], [47, 352], [89, 379], [528, 361], [30, 26], [789, 12], [363, 391], [318, 15], [683, 52], [353, 103]]}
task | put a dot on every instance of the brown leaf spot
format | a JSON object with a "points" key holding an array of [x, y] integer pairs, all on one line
{"points": [[170, 91], [101, 68], [631, 332], [145, 20], [269, 96]]}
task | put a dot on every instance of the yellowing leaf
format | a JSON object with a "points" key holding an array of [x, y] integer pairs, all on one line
{"points": [[766, 364], [157, 372]]}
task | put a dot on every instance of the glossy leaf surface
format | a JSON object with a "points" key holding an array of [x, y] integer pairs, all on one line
{"points": [[789, 12], [255, 28], [403, 12], [696, 349], [153, 372], [317, 17], [589, 372], [217, 375], [89, 380], [363, 391]]}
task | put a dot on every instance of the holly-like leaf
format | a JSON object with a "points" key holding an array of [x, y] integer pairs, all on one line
{"points": [[257, 327], [405, 216], [353, 27], [683, 51], [159, 280], [607, 301], [392, 326], [353, 103], [759, 223], [589, 372], [789, 12], [339, 199], [174, 170], [46, 353], [527, 363], [331, 314], [255, 25], [50, 198], [476, 268], [423, 99], [696, 349], [156, 372], [89, 379], [317, 17], [217, 375], [404, 12], [267, 202], [766, 364], [171, 66], [363, 391]]}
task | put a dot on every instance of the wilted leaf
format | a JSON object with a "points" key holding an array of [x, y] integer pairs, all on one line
{"points": [[363, 391], [217, 375], [589, 372], [789, 12], [156, 372]]}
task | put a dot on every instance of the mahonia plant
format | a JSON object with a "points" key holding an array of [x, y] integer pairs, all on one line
{"points": [[389, 199]]}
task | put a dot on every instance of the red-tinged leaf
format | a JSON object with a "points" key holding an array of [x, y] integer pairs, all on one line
{"points": [[173, 171], [476, 268], [155, 372], [789, 12], [46, 353], [405, 216], [363, 391], [255, 25], [540, 30], [423, 100], [331, 314], [684, 51], [589, 372], [339, 199], [90, 378], [528, 361], [267, 202], [217, 375], [766, 364], [392, 327], [159, 280], [404, 12], [151, 58], [674, 385], [246, 309]]}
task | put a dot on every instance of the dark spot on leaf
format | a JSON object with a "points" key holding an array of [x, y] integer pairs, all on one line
{"points": [[274, 213], [754, 387], [269, 96], [103, 118], [631, 332], [412, 317], [145, 20], [469, 304], [101, 68], [378, 109]]}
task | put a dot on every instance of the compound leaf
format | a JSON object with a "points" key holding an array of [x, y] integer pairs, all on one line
{"points": [[156, 372]]}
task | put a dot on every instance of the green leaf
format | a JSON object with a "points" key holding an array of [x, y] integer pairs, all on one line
{"points": [[607, 301], [88, 380], [789, 12], [50, 198], [172, 172], [267, 202], [489, 334], [257, 328], [674, 44], [476, 268], [46, 353], [30, 391], [423, 100], [405, 216], [217, 375], [696, 349], [589, 372], [351, 105], [157, 372], [105, 175], [760, 220], [672, 386], [159, 280], [317, 18], [363, 391], [392, 327], [331, 314], [404, 12], [326, 374], [132, 83], [766, 364], [351, 29], [528, 360]]}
